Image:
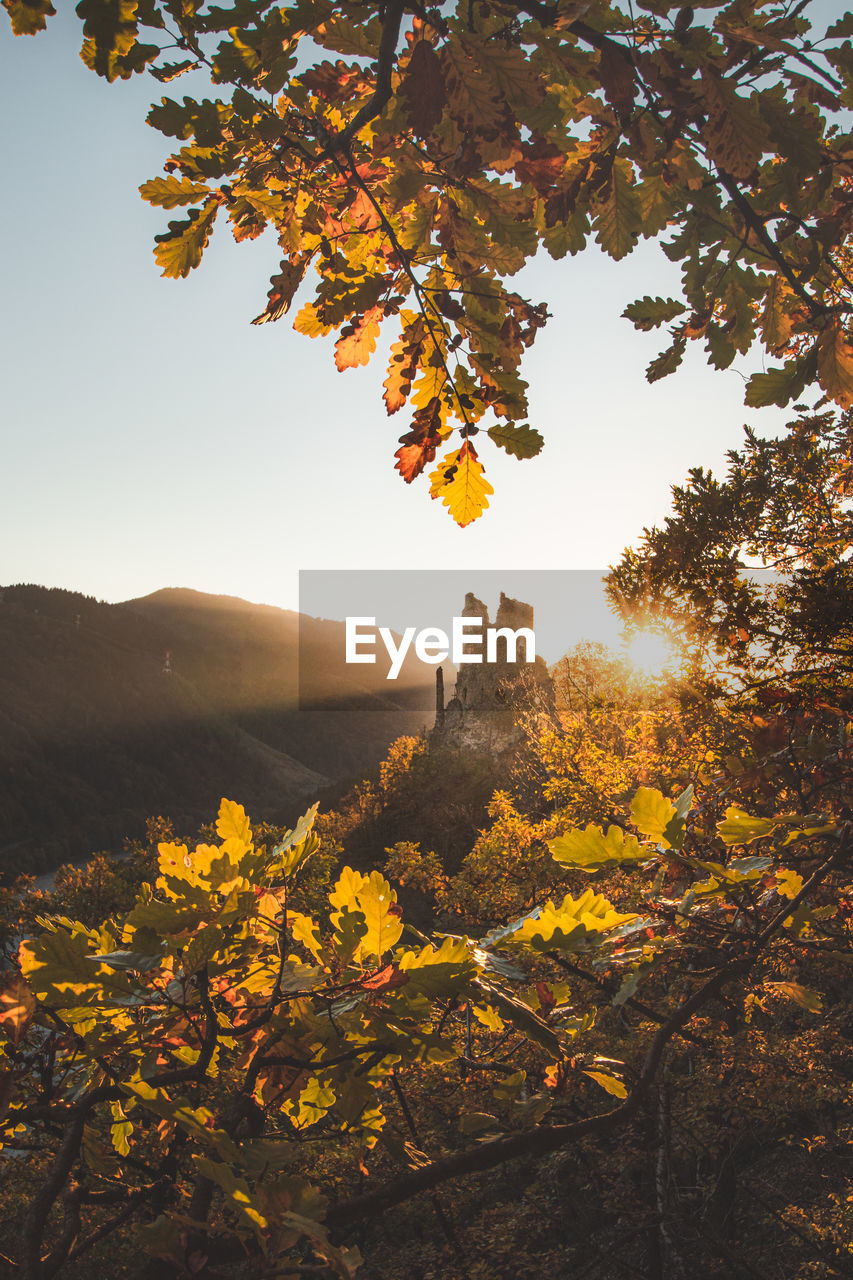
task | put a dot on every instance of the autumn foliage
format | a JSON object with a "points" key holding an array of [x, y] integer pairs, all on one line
{"points": [[411, 160], [235, 1073]]}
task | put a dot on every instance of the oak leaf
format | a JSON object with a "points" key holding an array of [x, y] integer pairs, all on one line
{"points": [[608, 1082], [17, 1008], [835, 364], [541, 164], [28, 16], [617, 222], [283, 290], [461, 484], [733, 132], [651, 813], [357, 342], [739, 828], [424, 89], [520, 441], [171, 192], [403, 364], [472, 99], [180, 249], [617, 75], [590, 850], [418, 446]]}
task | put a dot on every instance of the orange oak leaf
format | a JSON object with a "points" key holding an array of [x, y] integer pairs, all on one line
{"points": [[418, 446], [17, 1008], [403, 365], [386, 979], [357, 342], [541, 164]]}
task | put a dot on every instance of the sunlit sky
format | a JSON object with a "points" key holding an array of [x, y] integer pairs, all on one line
{"points": [[153, 437]]}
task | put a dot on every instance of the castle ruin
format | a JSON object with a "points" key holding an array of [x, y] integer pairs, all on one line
{"points": [[483, 713]]}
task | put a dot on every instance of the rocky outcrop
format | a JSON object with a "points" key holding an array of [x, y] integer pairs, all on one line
{"points": [[490, 696]]}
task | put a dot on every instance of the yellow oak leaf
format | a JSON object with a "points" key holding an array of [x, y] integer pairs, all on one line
{"points": [[460, 482]]}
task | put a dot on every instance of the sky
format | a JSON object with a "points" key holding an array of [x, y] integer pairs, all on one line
{"points": [[153, 437]]}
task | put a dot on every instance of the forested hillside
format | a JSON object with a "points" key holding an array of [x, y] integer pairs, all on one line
{"points": [[628, 1040], [95, 735]]}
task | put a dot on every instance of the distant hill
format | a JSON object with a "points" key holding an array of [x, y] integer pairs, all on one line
{"points": [[95, 735]]}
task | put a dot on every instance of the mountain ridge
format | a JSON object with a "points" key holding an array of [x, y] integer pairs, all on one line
{"points": [[98, 730]]}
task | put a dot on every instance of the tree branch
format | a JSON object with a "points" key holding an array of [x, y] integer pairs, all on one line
{"points": [[542, 1141], [384, 70], [538, 1142]]}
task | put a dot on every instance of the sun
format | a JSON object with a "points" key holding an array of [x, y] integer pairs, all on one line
{"points": [[651, 653]]}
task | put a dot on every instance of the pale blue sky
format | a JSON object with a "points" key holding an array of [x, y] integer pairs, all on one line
{"points": [[153, 437]]}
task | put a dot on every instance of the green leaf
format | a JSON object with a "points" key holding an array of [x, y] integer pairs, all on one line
{"points": [[567, 235], [649, 313], [196, 1121], [520, 441], [617, 224], [120, 1137], [788, 883], [349, 37], [508, 1089], [720, 347], [63, 971], [835, 364], [296, 847], [202, 120], [165, 919], [202, 947], [169, 71], [733, 130], [781, 386], [17, 1007], [163, 1238], [138, 960], [658, 205], [522, 1017], [739, 869], [232, 823], [110, 31], [668, 361]]}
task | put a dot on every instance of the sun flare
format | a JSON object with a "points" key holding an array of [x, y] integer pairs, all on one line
{"points": [[651, 653]]}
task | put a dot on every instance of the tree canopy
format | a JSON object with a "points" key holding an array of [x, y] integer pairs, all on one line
{"points": [[784, 508], [413, 158]]}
